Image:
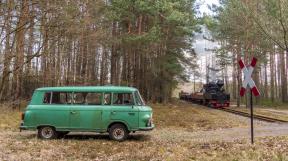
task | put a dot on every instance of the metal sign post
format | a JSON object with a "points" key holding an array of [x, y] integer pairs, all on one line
{"points": [[251, 118], [253, 88]]}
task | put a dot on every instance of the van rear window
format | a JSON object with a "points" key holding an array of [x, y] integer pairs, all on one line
{"points": [[57, 98], [47, 98], [61, 98]]}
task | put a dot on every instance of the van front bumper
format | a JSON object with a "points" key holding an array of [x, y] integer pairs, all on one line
{"points": [[22, 127], [149, 128]]}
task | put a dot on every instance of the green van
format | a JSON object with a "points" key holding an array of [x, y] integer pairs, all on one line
{"points": [[56, 111]]}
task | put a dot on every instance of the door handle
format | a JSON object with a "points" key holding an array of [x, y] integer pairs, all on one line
{"points": [[73, 112], [113, 112], [131, 113]]}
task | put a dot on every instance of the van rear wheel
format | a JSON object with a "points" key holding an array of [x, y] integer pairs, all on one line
{"points": [[118, 132], [47, 132]]}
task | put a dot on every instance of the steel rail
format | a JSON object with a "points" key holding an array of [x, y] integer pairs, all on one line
{"points": [[259, 117]]}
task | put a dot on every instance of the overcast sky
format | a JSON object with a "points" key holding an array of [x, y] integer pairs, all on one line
{"points": [[204, 57], [204, 3], [200, 43]]}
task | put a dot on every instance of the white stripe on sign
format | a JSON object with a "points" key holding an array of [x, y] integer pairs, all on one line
{"points": [[247, 77]]}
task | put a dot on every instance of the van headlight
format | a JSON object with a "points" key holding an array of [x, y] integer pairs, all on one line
{"points": [[150, 121]]}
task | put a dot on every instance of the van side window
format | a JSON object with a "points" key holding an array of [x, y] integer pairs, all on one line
{"points": [[61, 98], [123, 99], [47, 97], [93, 99], [107, 99], [79, 98]]}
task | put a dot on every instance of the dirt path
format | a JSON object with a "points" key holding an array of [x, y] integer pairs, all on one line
{"points": [[229, 134]]}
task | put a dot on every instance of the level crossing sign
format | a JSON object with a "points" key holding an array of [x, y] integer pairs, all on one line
{"points": [[248, 81], [248, 77]]}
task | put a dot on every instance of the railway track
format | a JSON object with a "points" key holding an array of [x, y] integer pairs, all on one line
{"points": [[245, 114], [259, 117]]}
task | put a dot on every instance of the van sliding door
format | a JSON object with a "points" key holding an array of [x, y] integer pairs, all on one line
{"points": [[85, 113]]}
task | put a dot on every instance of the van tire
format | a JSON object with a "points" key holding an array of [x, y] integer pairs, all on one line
{"points": [[47, 132], [118, 132]]}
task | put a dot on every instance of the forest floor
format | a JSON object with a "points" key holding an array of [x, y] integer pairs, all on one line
{"points": [[183, 132]]}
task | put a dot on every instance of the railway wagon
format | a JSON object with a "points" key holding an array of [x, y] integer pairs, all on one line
{"points": [[184, 96]]}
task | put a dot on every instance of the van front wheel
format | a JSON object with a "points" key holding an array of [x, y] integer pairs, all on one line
{"points": [[47, 132], [118, 132]]}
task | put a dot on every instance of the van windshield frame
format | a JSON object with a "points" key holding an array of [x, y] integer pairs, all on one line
{"points": [[138, 99]]}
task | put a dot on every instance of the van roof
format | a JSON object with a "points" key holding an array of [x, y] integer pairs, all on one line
{"points": [[89, 88]]}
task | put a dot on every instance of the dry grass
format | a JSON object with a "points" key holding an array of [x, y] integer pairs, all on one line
{"points": [[142, 146], [181, 115], [9, 119]]}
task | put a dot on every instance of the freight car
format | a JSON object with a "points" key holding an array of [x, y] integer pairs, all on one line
{"points": [[212, 95]]}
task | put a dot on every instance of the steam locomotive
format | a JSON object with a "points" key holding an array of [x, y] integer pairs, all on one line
{"points": [[212, 94]]}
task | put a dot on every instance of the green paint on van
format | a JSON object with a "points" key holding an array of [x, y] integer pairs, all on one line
{"points": [[68, 109]]}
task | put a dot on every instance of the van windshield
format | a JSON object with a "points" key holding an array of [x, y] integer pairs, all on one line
{"points": [[139, 100]]}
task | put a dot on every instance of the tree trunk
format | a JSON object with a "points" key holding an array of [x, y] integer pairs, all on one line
{"points": [[19, 59], [239, 80], [7, 54], [266, 95], [272, 76], [283, 78], [279, 83], [113, 59]]}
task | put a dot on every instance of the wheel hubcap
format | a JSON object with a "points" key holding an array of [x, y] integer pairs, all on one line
{"points": [[118, 133], [47, 132]]}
